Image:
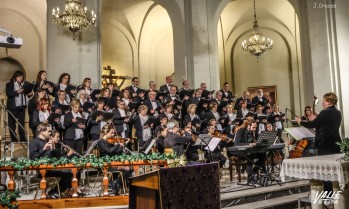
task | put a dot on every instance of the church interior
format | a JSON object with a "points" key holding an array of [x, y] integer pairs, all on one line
{"points": [[198, 41]]}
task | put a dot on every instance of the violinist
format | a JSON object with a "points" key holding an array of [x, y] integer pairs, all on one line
{"points": [[160, 142], [216, 153], [111, 149], [308, 114], [245, 135], [174, 140]]}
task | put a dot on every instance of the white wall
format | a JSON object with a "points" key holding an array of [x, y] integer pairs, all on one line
{"points": [[25, 19]]}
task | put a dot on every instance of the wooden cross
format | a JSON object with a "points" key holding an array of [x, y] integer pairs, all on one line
{"points": [[110, 76]]}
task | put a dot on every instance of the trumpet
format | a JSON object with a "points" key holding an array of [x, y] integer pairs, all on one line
{"points": [[66, 147]]}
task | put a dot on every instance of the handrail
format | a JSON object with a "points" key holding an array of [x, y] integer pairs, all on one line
{"points": [[43, 169]]}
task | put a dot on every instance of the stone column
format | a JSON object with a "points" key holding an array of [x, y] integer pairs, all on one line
{"points": [[343, 201]]}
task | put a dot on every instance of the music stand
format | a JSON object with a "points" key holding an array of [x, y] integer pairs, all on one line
{"points": [[150, 145], [268, 137], [203, 140]]}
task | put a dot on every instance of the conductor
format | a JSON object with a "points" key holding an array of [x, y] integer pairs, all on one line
{"points": [[327, 125]]}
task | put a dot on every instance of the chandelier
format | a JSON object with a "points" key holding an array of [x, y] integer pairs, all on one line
{"points": [[257, 43], [74, 17]]}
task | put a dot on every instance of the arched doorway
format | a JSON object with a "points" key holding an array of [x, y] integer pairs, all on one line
{"points": [[8, 66]]}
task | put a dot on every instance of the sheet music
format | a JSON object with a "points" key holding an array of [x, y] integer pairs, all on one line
{"points": [[300, 132], [213, 143]]}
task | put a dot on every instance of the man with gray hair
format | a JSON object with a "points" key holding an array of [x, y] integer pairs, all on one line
{"points": [[174, 140]]}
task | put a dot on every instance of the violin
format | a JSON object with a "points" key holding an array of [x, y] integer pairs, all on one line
{"points": [[222, 136], [116, 140], [297, 151]]}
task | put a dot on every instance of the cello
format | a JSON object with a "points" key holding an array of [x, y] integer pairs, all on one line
{"points": [[300, 146]]}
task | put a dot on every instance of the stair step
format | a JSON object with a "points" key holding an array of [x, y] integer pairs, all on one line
{"points": [[249, 191], [271, 202]]}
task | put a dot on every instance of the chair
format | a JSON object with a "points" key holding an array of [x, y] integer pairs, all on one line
{"points": [[50, 183], [109, 174], [238, 163]]}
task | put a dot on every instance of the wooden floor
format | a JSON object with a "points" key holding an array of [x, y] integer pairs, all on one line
{"points": [[101, 202]]}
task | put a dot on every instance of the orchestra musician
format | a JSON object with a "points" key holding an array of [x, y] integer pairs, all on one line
{"points": [[245, 135], [86, 85], [259, 98], [175, 141], [40, 147], [152, 103], [121, 120], [74, 130], [152, 87], [96, 122], [63, 82], [16, 104], [216, 153], [327, 125], [42, 83], [111, 149], [160, 142], [143, 132], [242, 112], [245, 96], [166, 88], [308, 114], [227, 95], [33, 105]]}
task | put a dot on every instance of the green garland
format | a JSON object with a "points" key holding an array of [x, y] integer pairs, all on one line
{"points": [[8, 199], [96, 162]]}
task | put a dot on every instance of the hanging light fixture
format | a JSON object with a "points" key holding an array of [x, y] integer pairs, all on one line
{"points": [[257, 43], [74, 17]]}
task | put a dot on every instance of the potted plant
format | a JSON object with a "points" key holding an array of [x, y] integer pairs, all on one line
{"points": [[344, 146]]}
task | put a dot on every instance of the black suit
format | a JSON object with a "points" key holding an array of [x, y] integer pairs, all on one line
{"points": [[245, 137], [164, 89], [176, 142], [229, 96], [327, 125], [147, 103], [131, 90], [36, 151], [70, 137], [18, 112], [255, 100], [237, 105], [119, 123]]}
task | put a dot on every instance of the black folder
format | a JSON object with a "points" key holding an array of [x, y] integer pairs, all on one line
{"points": [[28, 87], [69, 88], [262, 117], [51, 84], [224, 120], [79, 121], [64, 107], [151, 120], [87, 105], [133, 106], [177, 103], [184, 93], [161, 94], [202, 102], [53, 116], [221, 105], [94, 93], [107, 116], [96, 113], [196, 121]]}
